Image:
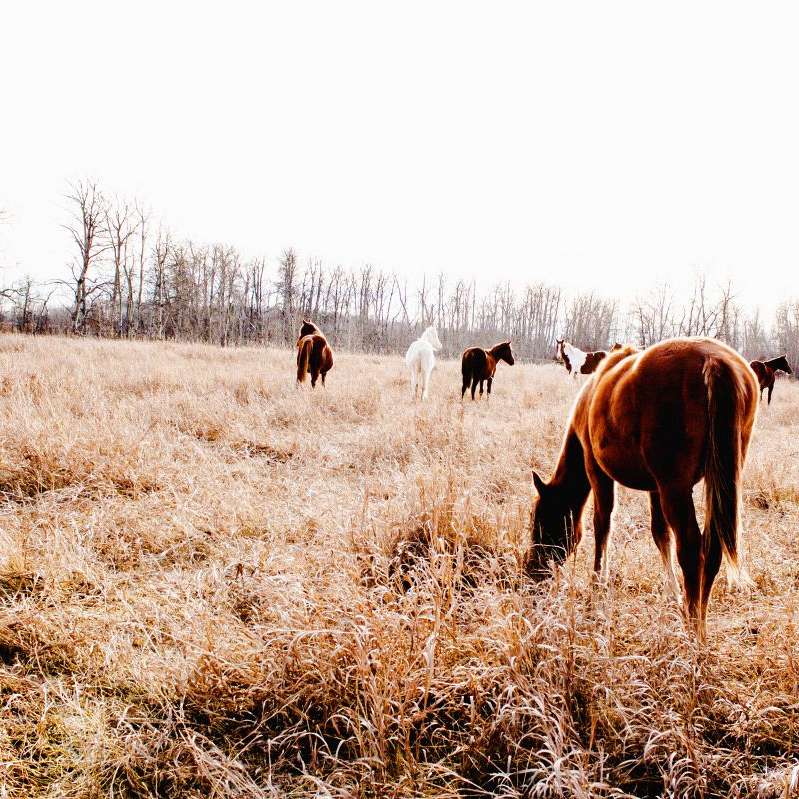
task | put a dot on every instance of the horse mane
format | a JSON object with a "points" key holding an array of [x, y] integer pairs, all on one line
{"points": [[501, 347], [429, 331], [576, 350]]}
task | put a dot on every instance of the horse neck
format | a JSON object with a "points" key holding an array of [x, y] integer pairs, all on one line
{"points": [[574, 353], [570, 478], [497, 353]]}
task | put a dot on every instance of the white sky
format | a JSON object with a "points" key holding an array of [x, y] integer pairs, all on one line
{"points": [[590, 144]]}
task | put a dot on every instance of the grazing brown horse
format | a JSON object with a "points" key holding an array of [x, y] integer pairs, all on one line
{"points": [[313, 353], [575, 360], [658, 421], [766, 371], [479, 365]]}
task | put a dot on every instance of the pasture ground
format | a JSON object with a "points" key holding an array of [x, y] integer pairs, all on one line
{"points": [[215, 585]]}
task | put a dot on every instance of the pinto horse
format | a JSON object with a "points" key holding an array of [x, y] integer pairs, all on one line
{"points": [[575, 360], [479, 365], [766, 370], [313, 354], [658, 421]]}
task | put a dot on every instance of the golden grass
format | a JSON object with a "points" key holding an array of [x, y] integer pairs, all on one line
{"points": [[215, 585]]}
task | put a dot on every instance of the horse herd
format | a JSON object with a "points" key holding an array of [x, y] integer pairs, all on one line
{"points": [[657, 420]]}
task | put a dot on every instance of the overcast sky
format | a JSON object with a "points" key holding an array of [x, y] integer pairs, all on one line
{"points": [[597, 145]]}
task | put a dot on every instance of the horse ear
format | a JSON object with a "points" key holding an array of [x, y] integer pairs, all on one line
{"points": [[539, 484]]}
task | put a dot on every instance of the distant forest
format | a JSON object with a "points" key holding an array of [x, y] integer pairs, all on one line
{"points": [[131, 278]]}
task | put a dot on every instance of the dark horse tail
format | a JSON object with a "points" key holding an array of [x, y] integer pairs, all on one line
{"points": [[303, 357], [466, 366], [724, 459]]}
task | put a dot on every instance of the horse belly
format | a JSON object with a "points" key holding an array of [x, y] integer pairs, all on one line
{"points": [[625, 465]]}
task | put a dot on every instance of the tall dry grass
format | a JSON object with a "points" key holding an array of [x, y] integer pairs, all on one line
{"points": [[214, 585]]}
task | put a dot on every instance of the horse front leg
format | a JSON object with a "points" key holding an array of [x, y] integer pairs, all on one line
{"points": [[662, 535], [604, 492]]}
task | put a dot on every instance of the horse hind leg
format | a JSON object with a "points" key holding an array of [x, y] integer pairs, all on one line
{"points": [[679, 512], [488, 387], [426, 384], [475, 381], [662, 536], [712, 564], [770, 389]]}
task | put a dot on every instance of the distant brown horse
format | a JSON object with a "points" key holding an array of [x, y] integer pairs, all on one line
{"points": [[766, 371], [656, 421], [313, 353], [576, 361], [479, 365]]}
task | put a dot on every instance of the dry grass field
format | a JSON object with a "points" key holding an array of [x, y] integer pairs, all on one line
{"points": [[215, 585]]}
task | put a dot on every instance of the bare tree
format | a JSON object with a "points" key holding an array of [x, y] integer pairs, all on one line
{"points": [[90, 236]]}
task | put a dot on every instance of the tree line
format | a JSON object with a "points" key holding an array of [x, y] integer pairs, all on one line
{"points": [[130, 277]]}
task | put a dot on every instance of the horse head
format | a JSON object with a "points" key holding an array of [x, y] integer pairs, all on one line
{"points": [[431, 337], [556, 528], [308, 328], [780, 364], [504, 352], [559, 343]]}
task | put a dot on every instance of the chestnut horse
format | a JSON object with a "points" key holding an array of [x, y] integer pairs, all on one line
{"points": [[479, 365], [766, 370], [576, 361], [313, 353], [658, 421]]}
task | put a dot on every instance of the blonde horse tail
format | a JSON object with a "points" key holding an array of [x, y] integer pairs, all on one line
{"points": [[725, 454], [303, 357]]}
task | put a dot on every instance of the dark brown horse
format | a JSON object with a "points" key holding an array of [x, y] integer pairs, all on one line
{"points": [[313, 354], [656, 421], [479, 365], [766, 371]]}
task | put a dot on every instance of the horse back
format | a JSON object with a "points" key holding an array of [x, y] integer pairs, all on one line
{"points": [[646, 414]]}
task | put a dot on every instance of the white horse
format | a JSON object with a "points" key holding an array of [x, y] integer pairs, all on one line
{"points": [[420, 359]]}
